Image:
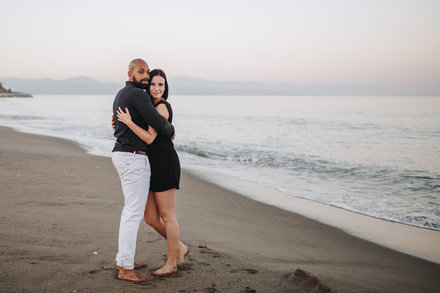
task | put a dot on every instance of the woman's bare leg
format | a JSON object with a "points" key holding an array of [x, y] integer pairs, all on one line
{"points": [[152, 218], [166, 202]]}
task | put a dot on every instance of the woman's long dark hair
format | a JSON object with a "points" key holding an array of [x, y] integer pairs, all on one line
{"points": [[159, 72]]}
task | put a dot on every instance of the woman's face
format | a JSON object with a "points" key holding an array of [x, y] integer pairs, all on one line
{"points": [[157, 86]]}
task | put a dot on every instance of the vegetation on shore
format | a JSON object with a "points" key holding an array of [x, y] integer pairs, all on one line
{"points": [[4, 93]]}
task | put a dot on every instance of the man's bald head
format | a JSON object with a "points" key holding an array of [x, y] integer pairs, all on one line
{"points": [[139, 72], [136, 63]]}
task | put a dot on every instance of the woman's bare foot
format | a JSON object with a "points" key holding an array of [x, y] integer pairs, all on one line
{"points": [[183, 251], [165, 271]]}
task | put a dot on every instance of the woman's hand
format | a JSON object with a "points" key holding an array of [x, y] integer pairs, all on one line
{"points": [[123, 116]]}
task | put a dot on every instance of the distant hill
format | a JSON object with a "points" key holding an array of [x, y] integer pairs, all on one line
{"points": [[2, 89], [75, 85], [196, 86], [6, 93], [185, 85]]}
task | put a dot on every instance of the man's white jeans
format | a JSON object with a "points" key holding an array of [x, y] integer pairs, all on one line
{"points": [[134, 172]]}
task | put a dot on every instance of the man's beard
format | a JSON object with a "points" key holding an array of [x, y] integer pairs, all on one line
{"points": [[139, 84]]}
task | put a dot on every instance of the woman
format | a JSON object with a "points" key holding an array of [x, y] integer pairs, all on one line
{"points": [[160, 211]]}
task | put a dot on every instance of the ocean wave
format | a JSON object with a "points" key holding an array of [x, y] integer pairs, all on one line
{"points": [[400, 195], [18, 118], [415, 180]]}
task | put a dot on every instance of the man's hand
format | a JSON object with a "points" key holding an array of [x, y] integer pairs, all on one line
{"points": [[173, 137], [113, 123]]}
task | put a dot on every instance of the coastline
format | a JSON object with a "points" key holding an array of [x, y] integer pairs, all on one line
{"points": [[60, 205], [15, 95], [412, 240]]}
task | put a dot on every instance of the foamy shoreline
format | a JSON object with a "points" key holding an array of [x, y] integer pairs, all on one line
{"points": [[405, 238]]}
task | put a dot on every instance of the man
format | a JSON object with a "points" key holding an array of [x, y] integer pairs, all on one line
{"points": [[130, 159]]}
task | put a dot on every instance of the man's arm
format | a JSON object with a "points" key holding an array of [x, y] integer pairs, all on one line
{"points": [[149, 113]]}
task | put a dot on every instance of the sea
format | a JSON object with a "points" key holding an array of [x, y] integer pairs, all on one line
{"points": [[374, 155]]}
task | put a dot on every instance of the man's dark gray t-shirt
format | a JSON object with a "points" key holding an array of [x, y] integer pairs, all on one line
{"points": [[143, 113]]}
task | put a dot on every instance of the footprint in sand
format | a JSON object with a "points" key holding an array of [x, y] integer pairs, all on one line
{"points": [[93, 272], [205, 250], [249, 271], [248, 290]]}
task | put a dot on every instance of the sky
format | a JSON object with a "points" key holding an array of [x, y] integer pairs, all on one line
{"points": [[381, 42]]}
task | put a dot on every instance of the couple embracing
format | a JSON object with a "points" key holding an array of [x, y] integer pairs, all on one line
{"points": [[148, 167]]}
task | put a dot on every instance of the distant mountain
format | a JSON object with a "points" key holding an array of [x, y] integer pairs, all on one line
{"points": [[185, 85], [75, 85], [196, 86], [7, 93], [3, 90]]}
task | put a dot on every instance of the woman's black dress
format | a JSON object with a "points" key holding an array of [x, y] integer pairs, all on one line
{"points": [[164, 162]]}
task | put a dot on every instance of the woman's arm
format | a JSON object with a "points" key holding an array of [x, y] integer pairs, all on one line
{"points": [[162, 109], [147, 136], [141, 101]]}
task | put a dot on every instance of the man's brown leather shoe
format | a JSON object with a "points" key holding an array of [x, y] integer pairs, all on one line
{"points": [[133, 276]]}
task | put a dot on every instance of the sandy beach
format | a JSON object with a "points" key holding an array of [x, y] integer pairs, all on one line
{"points": [[60, 210]]}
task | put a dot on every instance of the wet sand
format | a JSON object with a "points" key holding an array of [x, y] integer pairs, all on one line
{"points": [[415, 241], [60, 210]]}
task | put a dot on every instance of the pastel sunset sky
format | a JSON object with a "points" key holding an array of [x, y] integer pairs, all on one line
{"points": [[384, 42]]}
